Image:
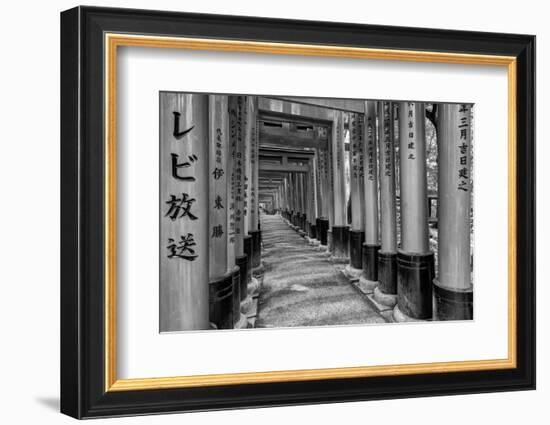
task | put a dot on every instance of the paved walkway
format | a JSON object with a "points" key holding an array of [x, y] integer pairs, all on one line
{"points": [[301, 287]]}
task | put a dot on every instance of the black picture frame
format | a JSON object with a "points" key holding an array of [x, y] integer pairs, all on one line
{"points": [[83, 392]]}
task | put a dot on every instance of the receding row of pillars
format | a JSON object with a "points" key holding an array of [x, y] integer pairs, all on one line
{"points": [[401, 275], [210, 238]]}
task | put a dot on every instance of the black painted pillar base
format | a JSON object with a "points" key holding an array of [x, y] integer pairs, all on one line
{"points": [[318, 227], [247, 248], [370, 261], [415, 274], [356, 240], [323, 226], [242, 263], [452, 304], [255, 236], [312, 231], [303, 223], [340, 243], [221, 301], [236, 274], [387, 272]]}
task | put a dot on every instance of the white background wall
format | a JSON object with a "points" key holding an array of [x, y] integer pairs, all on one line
{"points": [[29, 211]]}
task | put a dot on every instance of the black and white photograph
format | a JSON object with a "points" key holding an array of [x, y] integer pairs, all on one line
{"points": [[281, 212]]}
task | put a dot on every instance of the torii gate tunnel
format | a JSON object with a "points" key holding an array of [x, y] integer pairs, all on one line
{"points": [[355, 178]]}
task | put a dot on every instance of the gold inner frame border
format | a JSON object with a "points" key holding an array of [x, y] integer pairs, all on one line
{"points": [[111, 43]]}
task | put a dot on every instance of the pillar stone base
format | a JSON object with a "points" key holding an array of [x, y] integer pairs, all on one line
{"points": [[415, 274], [387, 272], [258, 271], [352, 272], [256, 247], [242, 263], [356, 240], [315, 242], [389, 300], [247, 305], [367, 286], [242, 322], [253, 287], [221, 301], [340, 242], [452, 304], [370, 261], [236, 273]]}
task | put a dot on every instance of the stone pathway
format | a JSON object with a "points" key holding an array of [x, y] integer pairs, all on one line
{"points": [[301, 287]]}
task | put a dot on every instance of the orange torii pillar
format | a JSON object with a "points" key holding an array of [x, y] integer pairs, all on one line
{"points": [[224, 288], [357, 196], [293, 203], [184, 209], [325, 196], [387, 256], [453, 290], [237, 123], [248, 242], [239, 319], [303, 204], [340, 230], [312, 208], [371, 247], [253, 212], [415, 261]]}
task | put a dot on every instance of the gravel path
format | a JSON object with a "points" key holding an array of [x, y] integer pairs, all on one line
{"points": [[301, 287]]}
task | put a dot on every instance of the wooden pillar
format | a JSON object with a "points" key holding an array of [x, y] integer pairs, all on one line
{"points": [[184, 232], [340, 236], [371, 247], [286, 195], [324, 198], [292, 193], [301, 201], [318, 184], [415, 261], [453, 287], [230, 175], [224, 295], [357, 194], [254, 222], [237, 123], [312, 200], [387, 256]]}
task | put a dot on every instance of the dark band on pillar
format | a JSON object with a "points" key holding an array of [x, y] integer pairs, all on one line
{"points": [[242, 263], [451, 304], [340, 241], [256, 248], [356, 240], [221, 301], [370, 261], [247, 248], [414, 284], [387, 272], [236, 273]]}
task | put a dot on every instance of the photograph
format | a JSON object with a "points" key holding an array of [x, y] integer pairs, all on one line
{"points": [[280, 212], [262, 211]]}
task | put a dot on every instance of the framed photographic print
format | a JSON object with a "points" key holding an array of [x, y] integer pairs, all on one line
{"points": [[261, 212]]}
